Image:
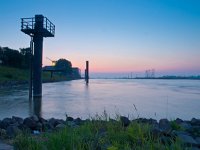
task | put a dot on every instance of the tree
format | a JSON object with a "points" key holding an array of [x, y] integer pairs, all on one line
{"points": [[65, 65], [26, 52], [10, 57]]}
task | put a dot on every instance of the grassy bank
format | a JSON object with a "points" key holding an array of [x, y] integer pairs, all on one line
{"points": [[97, 135], [15, 75]]}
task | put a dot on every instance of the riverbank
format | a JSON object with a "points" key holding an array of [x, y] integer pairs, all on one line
{"points": [[100, 132], [10, 77]]}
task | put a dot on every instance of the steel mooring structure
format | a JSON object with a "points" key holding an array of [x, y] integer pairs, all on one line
{"points": [[37, 27], [87, 72]]}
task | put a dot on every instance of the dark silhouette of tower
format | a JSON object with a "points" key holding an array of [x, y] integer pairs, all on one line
{"points": [[37, 27]]}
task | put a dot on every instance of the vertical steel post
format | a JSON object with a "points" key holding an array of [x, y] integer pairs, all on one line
{"points": [[87, 72], [31, 69], [37, 59]]}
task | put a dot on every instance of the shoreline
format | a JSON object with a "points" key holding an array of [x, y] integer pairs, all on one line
{"points": [[166, 131], [9, 84]]}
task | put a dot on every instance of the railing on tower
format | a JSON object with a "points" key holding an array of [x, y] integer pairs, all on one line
{"points": [[28, 27]]}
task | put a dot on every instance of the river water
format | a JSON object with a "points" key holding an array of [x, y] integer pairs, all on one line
{"points": [[130, 97]]}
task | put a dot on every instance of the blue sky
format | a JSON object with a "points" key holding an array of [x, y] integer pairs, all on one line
{"points": [[114, 35]]}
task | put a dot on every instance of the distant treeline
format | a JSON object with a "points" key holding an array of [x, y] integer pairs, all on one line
{"points": [[180, 77], [22, 58], [15, 58]]}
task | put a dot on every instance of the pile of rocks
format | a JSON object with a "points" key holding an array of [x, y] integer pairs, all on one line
{"points": [[10, 127], [187, 131]]}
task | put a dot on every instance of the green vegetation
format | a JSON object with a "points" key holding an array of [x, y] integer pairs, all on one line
{"points": [[15, 58], [65, 65], [15, 64], [96, 134], [175, 126], [10, 74], [13, 74]]}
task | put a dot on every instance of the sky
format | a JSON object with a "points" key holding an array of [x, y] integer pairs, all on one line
{"points": [[117, 37]]}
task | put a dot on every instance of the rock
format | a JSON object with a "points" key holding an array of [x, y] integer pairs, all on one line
{"points": [[77, 121], [54, 122], [47, 126], [176, 133], [24, 128], [165, 140], [72, 124], [2, 132], [17, 120], [12, 131], [70, 119], [194, 130], [165, 126], [141, 120], [187, 139], [197, 139], [6, 122], [178, 120], [30, 123], [35, 118], [125, 121], [152, 121], [195, 122], [156, 132], [185, 125], [61, 121], [39, 126], [60, 126], [42, 120]]}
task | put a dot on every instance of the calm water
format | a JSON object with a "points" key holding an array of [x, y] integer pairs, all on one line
{"points": [[152, 98]]}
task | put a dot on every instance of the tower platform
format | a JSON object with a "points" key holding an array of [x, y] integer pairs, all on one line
{"points": [[28, 26]]}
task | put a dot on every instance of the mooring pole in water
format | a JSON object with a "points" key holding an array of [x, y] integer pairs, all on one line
{"points": [[31, 69], [37, 59], [87, 72], [37, 27]]}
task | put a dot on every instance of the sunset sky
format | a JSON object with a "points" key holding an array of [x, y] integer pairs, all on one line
{"points": [[116, 36]]}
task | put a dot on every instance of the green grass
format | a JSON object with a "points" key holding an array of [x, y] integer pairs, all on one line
{"points": [[13, 74], [8, 74], [96, 134]]}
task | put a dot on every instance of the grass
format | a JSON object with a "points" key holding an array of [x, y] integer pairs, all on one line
{"points": [[9, 74], [13, 74], [96, 134]]}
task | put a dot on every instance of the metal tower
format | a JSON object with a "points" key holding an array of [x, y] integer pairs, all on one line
{"points": [[37, 27]]}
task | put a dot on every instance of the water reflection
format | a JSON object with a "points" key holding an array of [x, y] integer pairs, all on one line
{"points": [[35, 106], [165, 98]]}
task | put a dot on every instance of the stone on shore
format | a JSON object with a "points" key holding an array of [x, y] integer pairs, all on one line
{"points": [[12, 131], [30, 123], [125, 121], [165, 126]]}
